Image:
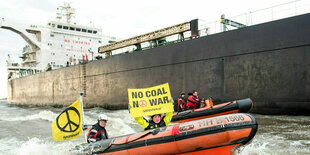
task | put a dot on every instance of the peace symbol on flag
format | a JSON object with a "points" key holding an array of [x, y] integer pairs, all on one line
{"points": [[69, 121]]}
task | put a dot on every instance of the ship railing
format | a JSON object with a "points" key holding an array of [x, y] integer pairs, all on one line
{"points": [[277, 12], [285, 10], [1, 20], [18, 72], [12, 64], [28, 51], [29, 60]]}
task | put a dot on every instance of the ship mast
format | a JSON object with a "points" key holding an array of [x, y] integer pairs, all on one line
{"points": [[65, 11]]}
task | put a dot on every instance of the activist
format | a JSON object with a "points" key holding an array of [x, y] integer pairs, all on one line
{"points": [[98, 131], [153, 102], [181, 102], [155, 122], [192, 100]]}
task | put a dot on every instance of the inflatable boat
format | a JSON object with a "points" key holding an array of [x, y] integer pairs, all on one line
{"points": [[216, 135], [239, 106]]}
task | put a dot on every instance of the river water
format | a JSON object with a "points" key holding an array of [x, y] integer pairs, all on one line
{"points": [[27, 131]]}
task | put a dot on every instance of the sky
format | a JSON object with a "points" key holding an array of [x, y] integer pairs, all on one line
{"points": [[118, 18]]}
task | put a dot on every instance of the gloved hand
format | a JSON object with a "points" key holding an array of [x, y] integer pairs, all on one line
{"points": [[84, 127], [129, 107]]}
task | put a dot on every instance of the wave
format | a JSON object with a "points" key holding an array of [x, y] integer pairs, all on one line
{"points": [[118, 127], [119, 122], [265, 144], [6, 145], [38, 146], [44, 115], [34, 146]]}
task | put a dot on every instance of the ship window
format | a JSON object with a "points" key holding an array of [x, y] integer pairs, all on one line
{"points": [[83, 30], [61, 45], [90, 40], [66, 27], [59, 26], [66, 54], [72, 28], [90, 31], [95, 32], [99, 41], [78, 29], [53, 25], [52, 35]]}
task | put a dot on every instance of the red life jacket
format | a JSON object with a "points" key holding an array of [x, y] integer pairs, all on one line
{"points": [[182, 102], [191, 101]]}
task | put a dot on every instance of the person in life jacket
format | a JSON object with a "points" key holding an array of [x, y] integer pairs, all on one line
{"points": [[98, 131], [155, 122], [181, 102], [192, 100]]}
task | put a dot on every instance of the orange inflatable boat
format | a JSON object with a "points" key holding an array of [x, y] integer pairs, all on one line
{"points": [[216, 135], [239, 106]]}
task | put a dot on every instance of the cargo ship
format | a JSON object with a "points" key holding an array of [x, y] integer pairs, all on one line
{"points": [[60, 43], [267, 62]]}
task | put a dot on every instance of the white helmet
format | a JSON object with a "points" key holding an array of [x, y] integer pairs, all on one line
{"points": [[102, 117]]}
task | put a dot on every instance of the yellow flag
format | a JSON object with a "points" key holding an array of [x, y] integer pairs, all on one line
{"points": [[68, 125], [150, 101]]}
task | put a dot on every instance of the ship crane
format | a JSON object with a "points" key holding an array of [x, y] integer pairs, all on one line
{"points": [[153, 37], [22, 31], [232, 23], [29, 35]]}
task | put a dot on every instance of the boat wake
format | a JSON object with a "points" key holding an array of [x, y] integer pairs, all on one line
{"points": [[28, 131]]}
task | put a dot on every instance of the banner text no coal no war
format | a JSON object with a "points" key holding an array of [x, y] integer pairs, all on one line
{"points": [[150, 101]]}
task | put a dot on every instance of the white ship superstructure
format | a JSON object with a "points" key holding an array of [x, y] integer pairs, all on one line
{"points": [[69, 44], [61, 43]]}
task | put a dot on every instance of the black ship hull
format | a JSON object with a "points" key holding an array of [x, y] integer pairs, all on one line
{"points": [[269, 63]]}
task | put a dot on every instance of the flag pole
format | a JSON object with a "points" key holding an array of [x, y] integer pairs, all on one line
{"points": [[82, 109]]}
